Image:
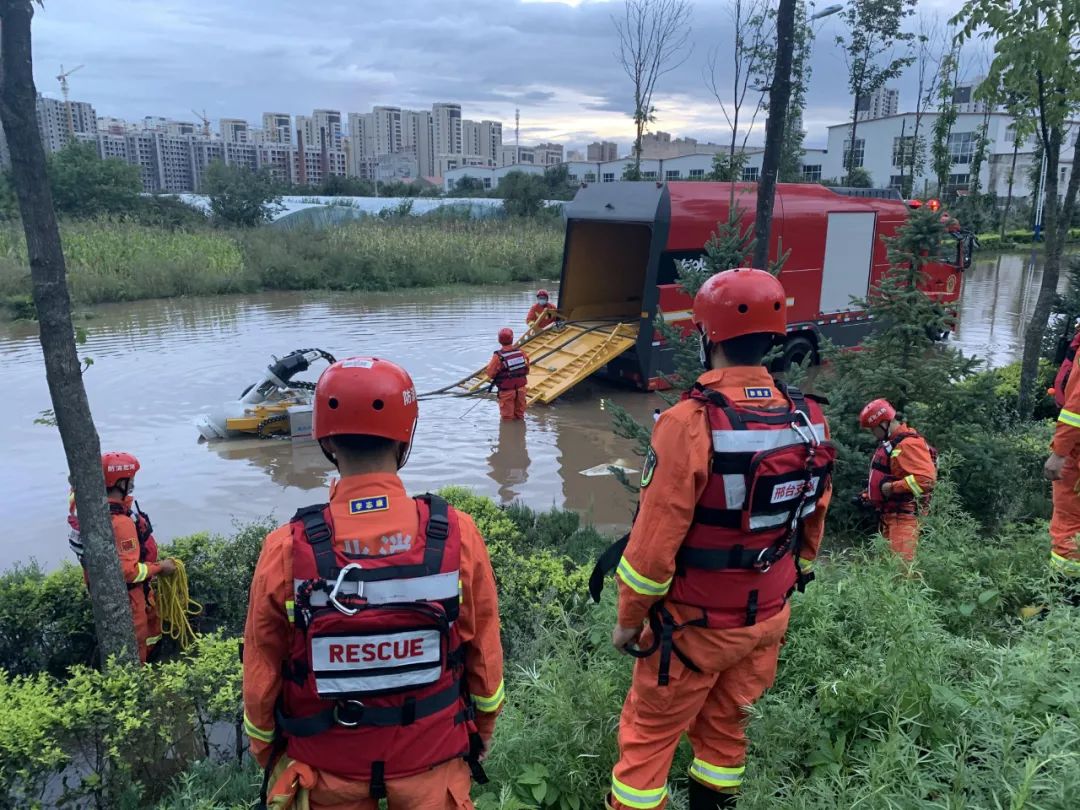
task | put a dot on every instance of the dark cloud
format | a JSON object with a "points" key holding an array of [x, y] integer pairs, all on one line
{"points": [[238, 59]]}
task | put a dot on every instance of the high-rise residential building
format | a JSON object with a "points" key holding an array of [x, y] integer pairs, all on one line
{"points": [[470, 137], [660, 146], [387, 130], [305, 130], [113, 126], [417, 138], [233, 130], [53, 121], [361, 142], [446, 129], [180, 128], [964, 99], [491, 139], [328, 122], [548, 154], [603, 151], [881, 103], [277, 127]]}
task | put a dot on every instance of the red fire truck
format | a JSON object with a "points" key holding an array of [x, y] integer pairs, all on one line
{"points": [[623, 241]]}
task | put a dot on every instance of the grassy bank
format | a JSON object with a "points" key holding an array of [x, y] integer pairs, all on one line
{"points": [[110, 261], [1018, 239], [892, 692]]}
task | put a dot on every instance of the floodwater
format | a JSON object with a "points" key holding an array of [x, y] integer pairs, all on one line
{"points": [[159, 364]]}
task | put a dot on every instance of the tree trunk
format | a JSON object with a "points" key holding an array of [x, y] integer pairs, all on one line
{"points": [[18, 101], [779, 96], [1029, 368], [1009, 195]]}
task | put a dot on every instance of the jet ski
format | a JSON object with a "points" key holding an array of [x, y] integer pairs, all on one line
{"points": [[276, 406]]}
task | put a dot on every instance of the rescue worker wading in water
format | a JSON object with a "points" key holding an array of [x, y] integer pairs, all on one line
{"points": [[135, 546], [1063, 470], [508, 369], [372, 660], [733, 499], [903, 473], [542, 314]]}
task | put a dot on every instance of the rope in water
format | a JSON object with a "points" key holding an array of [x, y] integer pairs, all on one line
{"points": [[176, 606]]}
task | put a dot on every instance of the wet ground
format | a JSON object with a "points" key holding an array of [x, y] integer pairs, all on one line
{"points": [[159, 364]]}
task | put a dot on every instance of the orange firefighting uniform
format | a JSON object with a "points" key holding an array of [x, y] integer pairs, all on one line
{"points": [[737, 665], [267, 638], [913, 468], [143, 609], [541, 316], [1065, 523], [512, 401]]}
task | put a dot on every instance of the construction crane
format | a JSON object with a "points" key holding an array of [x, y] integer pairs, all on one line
{"points": [[205, 122], [63, 79]]}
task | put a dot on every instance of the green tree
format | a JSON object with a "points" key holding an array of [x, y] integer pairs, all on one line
{"points": [[1037, 63], [468, 187], [632, 171], [560, 186], [240, 197], [84, 185], [859, 178], [653, 40], [523, 194], [728, 168], [63, 370], [943, 124], [875, 28]]}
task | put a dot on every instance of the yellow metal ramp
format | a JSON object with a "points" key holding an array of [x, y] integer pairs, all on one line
{"points": [[564, 355]]}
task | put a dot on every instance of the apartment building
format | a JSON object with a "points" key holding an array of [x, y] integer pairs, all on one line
{"points": [[418, 138], [602, 152], [277, 127], [446, 129], [660, 146], [52, 117], [233, 130], [548, 154], [881, 103], [511, 155]]}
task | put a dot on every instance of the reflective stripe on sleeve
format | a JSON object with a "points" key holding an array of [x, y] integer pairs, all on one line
{"points": [[806, 566], [639, 799], [260, 734], [1069, 418], [896, 452], [141, 573], [720, 776], [913, 485], [152, 640], [1070, 568], [639, 583], [290, 611], [491, 704]]}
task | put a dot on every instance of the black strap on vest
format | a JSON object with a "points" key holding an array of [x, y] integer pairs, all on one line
{"points": [[606, 563], [664, 626], [321, 539], [377, 789], [353, 714], [438, 529], [476, 750]]}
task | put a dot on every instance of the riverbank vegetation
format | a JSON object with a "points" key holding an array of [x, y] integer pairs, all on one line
{"points": [[126, 261]]}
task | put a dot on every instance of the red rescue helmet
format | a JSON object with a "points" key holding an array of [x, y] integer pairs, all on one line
{"points": [[542, 294], [365, 396], [506, 336], [117, 467], [876, 413], [742, 301]]}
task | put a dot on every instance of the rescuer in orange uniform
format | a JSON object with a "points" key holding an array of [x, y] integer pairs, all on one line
{"points": [[903, 473], [542, 314], [508, 369], [1062, 469], [372, 659], [733, 499], [135, 546]]}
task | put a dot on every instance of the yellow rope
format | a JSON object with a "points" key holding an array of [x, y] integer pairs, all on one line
{"points": [[175, 605]]}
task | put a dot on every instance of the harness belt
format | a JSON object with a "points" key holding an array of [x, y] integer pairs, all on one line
{"points": [[351, 713]]}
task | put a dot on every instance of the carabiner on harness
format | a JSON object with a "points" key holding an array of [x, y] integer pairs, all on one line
{"points": [[337, 587], [349, 705]]}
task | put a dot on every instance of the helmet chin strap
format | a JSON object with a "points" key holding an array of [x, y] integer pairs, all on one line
{"points": [[704, 351]]}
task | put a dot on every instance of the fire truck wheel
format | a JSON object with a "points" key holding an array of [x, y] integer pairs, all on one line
{"points": [[796, 350]]}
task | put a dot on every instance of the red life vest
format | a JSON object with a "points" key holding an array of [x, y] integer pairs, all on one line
{"points": [[148, 550], [881, 473], [770, 467], [373, 689], [515, 369], [1064, 370]]}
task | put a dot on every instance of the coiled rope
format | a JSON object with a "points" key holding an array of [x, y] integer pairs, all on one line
{"points": [[175, 606]]}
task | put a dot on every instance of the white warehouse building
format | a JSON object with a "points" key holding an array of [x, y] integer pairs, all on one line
{"points": [[684, 167], [879, 144]]}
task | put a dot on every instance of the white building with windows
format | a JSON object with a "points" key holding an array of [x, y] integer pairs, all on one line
{"points": [[880, 149], [489, 176]]}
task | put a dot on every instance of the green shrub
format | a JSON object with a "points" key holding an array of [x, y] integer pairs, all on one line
{"points": [[31, 718]]}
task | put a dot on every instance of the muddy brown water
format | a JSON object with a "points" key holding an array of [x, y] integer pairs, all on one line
{"points": [[159, 364]]}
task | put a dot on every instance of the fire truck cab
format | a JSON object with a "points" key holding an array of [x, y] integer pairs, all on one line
{"points": [[624, 239]]}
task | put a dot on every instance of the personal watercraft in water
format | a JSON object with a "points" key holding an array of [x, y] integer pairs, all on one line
{"points": [[276, 406]]}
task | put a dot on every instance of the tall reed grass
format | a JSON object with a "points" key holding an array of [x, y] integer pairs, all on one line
{"points": [[109, 261]]}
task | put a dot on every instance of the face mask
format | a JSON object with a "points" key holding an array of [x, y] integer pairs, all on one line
{"points": [[542, 302]]}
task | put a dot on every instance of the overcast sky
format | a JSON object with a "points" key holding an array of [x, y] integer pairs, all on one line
{"points": [[552, 58]]}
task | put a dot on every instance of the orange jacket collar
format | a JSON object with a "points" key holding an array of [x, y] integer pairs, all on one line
{"points": [[358, 486], [738, 376]]}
